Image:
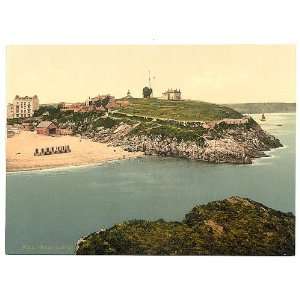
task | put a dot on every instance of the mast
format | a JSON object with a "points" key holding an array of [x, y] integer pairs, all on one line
{"points": [[149, 79]]}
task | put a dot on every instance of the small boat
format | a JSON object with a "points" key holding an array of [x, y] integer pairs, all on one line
{"points": [[263, 118]]}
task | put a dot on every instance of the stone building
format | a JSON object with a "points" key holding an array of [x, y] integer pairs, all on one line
{"points": [[171, 94], [24, 107], [65, 131], [10, 111], [91, 102], [74, 107]]}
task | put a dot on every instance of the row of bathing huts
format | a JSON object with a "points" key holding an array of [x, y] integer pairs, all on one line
{"points": [[52, 150]]}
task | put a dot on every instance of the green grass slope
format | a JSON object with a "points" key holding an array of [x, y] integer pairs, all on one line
{"points": [[179, 110]]}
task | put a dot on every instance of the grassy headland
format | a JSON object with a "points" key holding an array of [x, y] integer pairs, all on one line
{"points": [[187, 129], [179, 110]]}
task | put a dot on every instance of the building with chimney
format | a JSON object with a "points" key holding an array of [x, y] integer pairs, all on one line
{"points": [[171, 94]]}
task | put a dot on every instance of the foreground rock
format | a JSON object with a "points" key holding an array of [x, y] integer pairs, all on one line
{"points": [[234, 226]]}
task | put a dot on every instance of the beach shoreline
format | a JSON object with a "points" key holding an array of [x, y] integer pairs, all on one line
{"points": [[84, 153], [67, 167]]}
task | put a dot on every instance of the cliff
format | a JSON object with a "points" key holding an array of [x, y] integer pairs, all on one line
{"points": [[225, 141], [234, 226]]}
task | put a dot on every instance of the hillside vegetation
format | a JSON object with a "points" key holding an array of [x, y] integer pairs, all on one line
{"points": [[179, 110], [234, 226]]}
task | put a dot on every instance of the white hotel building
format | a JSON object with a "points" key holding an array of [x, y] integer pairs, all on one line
{"points": [[24, 107]]}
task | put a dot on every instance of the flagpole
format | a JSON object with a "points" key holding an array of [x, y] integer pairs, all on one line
{"points": [[149, 79]]}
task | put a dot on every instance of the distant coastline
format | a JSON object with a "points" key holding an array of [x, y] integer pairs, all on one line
{"points": [[257, 108]]}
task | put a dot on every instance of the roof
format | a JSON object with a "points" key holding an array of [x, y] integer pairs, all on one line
{"points": [[44, 124], [171, 91]]}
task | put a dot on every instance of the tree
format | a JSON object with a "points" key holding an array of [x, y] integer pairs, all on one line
{"points": [[98, 103], [105, 101], [147, 92]]}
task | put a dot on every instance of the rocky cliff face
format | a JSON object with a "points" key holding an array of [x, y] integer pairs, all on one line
{"points": [[220, 143], [234, 226]]}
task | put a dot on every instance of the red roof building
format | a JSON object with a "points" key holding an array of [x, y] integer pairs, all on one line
{"points": [[47, 128]]}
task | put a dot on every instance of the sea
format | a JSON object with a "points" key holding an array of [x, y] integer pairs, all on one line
{"points": [[48, 211]]}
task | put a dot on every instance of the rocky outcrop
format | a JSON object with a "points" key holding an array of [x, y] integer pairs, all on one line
{"points": [[237, 141], [234, 226]]}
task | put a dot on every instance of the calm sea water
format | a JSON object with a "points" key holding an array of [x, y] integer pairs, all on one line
{"points": [[48, 211]]}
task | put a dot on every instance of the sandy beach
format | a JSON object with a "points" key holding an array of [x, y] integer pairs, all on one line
{"points": [[20, 149]]}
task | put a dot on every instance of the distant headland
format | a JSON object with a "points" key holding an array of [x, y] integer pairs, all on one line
{"points": [[258, 108]]}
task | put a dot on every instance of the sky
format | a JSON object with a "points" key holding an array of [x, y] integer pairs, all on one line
{"points": [[220, 74]]}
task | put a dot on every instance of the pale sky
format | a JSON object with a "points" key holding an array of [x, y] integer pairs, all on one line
{"points": [[220, 74]]}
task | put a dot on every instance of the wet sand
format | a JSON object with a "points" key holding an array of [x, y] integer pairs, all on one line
{"points": [[20, 149]]}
